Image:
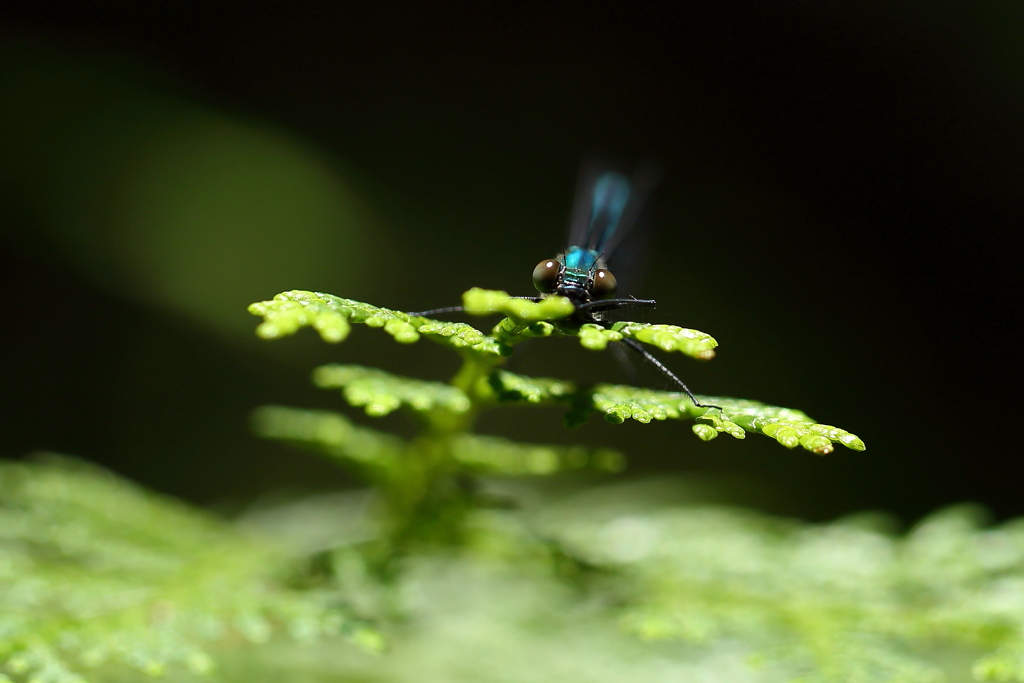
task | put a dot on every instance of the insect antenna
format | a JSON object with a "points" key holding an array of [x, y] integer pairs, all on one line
{"points": [[638, 347]]}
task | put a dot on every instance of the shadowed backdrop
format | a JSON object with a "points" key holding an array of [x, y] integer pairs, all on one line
{"points": [[842, 208]]}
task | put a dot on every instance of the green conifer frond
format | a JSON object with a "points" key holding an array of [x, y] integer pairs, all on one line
{"points": [[331, 433], [510, 387], [666, 337], [95, 572], [618, 403], [496, 456], [523, 311], [380, 393], [334, 435], [332, 318], [789, 427], [523, 316]]}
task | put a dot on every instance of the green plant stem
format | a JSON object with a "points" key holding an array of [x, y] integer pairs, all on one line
{"points": [[425, 500]]}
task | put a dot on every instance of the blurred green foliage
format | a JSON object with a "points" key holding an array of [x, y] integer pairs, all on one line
{"points": [[102, 581], [96, 573]]}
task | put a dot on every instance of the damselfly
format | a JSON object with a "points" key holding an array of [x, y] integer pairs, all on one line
{"points": [[607, 205]]}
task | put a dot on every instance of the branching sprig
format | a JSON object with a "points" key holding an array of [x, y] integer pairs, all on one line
{"points": [[424, 483], [481, 383]]}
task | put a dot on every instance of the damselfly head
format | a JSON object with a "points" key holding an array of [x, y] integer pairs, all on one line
{"points": [[552, 276]]}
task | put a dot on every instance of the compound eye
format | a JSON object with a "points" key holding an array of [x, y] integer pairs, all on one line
{"points": [[545, 275], [604, 284]]}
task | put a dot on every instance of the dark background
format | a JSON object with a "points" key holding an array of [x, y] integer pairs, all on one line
{"points": [[842, 210]]}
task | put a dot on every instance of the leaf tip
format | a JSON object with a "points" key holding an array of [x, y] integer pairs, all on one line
{"points": [[268, 330], [615, 417], [853, 442], [705, 432]]}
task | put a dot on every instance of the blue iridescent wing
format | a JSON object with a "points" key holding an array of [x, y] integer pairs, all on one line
{"points": [[607, 206]]}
